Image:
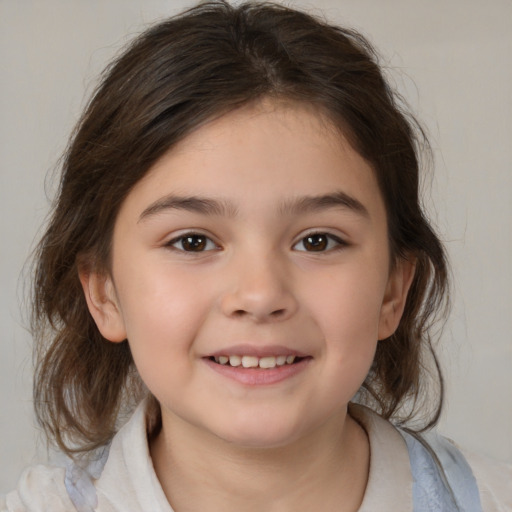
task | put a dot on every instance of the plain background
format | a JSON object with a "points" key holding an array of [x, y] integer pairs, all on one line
{"points": [[452, 60]]}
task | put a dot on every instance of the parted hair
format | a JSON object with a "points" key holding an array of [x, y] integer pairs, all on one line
{"points": [[173, 78]]}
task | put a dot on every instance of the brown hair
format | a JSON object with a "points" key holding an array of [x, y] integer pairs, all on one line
{"points": [[176, 76]]}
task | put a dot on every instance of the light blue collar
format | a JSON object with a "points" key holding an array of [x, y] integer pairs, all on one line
{"points": [[442, 478]]}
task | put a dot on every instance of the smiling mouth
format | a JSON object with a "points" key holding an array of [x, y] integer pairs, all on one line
{"points": [[263, 363]]}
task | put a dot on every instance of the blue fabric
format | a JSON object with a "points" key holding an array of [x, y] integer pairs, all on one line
{"points": [[442, 478], [79, 481]]}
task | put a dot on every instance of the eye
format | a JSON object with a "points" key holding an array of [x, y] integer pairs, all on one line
{"points": [[193, 242], [318, 242]]}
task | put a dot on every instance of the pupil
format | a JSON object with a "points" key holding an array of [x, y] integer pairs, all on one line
{"points": [[194, 243], [316, 243]]}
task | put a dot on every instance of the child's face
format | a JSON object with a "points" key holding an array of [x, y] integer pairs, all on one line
{"points": [[260, 235]]}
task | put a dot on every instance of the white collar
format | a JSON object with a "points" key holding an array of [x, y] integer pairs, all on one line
{"points": [[129, 481]]}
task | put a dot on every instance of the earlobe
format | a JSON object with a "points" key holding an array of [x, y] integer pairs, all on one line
{"points": [[398, 285], [103, 305]]}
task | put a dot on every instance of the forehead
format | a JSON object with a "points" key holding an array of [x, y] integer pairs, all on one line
{"points": [[270, 151]]}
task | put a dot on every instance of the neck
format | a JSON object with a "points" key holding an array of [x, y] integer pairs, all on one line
{"points": [[198, 471]]}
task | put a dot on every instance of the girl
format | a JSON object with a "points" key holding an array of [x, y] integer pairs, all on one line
{"points": [[238, 260]]}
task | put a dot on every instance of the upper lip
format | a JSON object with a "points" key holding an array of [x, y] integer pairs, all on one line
{"points": [[257, 351]]}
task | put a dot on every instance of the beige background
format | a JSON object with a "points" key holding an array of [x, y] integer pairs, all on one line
{"points": [[451, 58]]}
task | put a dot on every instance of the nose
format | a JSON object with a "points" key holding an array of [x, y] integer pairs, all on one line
{"points": [[259, 289]]}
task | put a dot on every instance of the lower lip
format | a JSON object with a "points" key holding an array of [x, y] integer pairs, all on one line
{"points": [[259, 376]]}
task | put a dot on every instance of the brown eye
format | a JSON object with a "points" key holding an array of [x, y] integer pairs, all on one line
{"points": [[315, 242], [318, 242], [192, 243]]}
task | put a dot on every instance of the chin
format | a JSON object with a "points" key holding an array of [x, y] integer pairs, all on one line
{"points": [[260, 434], [261, 442]]}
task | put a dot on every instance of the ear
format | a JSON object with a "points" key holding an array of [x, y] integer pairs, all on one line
{"points": [[103, 305], [393, 305]]}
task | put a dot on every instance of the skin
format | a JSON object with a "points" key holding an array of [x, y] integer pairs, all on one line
{"points": [[226, 444]]}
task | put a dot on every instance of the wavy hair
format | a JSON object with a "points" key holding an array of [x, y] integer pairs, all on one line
{"points": [[173, 78]]}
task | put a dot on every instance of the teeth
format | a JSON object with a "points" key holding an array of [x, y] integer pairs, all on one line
{"points": [[255, 362], [268, 362], [249, 361], [235, 360]]}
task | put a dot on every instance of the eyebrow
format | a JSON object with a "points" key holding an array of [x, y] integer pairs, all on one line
{"points": [[309, 204], [294, 206], [202, 205]]}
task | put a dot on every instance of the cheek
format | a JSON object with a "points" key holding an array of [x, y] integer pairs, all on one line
{"points": [[347, 311], [349, 302], [162, 312]]}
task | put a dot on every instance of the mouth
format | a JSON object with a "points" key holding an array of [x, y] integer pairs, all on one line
{"points": [[250, 361], [258, 365]]}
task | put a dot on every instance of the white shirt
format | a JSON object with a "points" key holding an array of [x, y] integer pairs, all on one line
{"points": [[128, 482]]}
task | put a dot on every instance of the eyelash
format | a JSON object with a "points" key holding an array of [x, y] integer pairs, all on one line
{"points": [[189, 236], [332, 242], [326, 242]]}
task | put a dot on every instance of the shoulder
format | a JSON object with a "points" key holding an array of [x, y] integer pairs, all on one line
{"points": [[494, 480], [434, 468], [40, 489], [474, 482], [116, 477]]}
